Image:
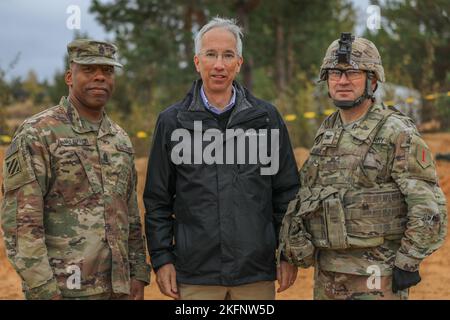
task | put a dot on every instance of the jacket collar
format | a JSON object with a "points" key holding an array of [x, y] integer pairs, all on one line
{"points": [[196, 103], [243, 110], [106, 126]]}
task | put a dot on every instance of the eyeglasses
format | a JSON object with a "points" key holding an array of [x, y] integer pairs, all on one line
{"points": [[212, 56], [351, 74]]}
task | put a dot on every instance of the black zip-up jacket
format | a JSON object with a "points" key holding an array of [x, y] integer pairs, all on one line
{"points": [[217, 223]]}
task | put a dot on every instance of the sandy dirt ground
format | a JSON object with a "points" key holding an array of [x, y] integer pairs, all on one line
{"points": [[435, 270]]}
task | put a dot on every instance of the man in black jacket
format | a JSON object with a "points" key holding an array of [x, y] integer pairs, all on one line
{"points": [[220, 176]]}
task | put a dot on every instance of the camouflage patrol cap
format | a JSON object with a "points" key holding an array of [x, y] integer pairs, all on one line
{"points": [[87, 51], [364, 56]]}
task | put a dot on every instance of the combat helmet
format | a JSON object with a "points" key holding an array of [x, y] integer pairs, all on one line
{"points": [[358, 53]]}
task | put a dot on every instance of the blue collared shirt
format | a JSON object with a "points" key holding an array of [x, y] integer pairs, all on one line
{"points": [[213, 109]]}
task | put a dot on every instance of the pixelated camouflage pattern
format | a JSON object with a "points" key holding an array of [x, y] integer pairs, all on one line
{"points": [[398, 160], [87, 51], [71, 201], [364, 56]]}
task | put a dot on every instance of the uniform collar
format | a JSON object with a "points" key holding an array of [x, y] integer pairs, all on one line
{"points": [[105, 128], [364, 126]]}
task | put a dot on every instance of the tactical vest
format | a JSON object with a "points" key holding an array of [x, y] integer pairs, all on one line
{"points": [[343, 206]]}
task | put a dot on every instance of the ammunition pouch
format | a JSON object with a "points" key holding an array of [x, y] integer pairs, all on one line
{"points": [[341, 219]]}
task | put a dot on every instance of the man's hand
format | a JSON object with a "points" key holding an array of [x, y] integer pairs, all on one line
{"points": [[137, 290], [286, 275], [166, 278], [402, 279]]}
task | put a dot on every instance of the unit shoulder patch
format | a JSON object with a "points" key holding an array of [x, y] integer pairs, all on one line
{"points": [[17, 169], [420, 163], [13, 166], [423, 156]]}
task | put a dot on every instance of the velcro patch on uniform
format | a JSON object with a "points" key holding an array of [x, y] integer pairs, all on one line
{"points": [[380, 140], [124, 148], [68, 142], [328, 137], [13, 166], [420, 161], [423, 156], [331, 137], [17, 167], [13, 148]]}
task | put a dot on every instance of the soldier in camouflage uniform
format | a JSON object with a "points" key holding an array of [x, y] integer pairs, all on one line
{"points": [[369, 208], [69, 215]]}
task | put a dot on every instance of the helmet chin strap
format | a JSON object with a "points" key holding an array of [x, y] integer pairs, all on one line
{"points": [[368, 94]]}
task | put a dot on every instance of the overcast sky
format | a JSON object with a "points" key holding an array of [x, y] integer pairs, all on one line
{"points": [[37, 31]]}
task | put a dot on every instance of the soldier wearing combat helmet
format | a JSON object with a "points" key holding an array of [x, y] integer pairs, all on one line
{"points": [[369, 208], [69, 215]]}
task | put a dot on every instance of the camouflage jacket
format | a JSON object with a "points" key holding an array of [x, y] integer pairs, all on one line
{"points": [[398, 161], [69, 215]]}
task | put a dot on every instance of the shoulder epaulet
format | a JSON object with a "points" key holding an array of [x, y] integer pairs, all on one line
{"points": [[400, 115], [391, 107]]}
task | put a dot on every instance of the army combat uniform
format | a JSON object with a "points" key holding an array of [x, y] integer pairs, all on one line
{"points": [[69, 215], [369, 208], [369, 200]]}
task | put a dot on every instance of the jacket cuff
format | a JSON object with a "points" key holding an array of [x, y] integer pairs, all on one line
{"points": [[47, 291], [406, 263], [141, 272], [160, 259]]}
